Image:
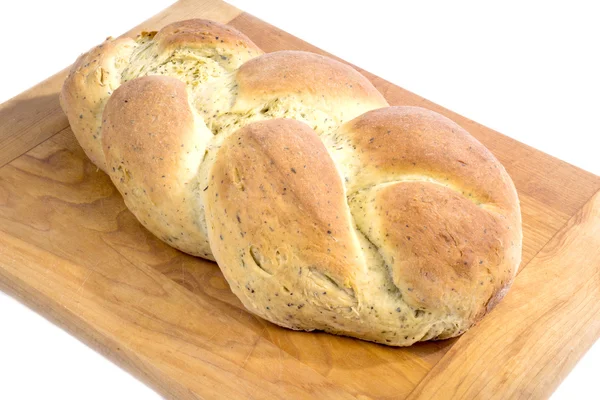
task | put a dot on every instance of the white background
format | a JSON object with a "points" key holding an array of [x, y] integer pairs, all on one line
{"points": [[529, 70]]}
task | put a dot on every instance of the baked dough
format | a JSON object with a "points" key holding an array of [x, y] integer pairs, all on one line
{"points": [[324, 207]]}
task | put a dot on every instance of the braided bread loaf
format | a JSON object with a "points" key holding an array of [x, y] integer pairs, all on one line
{"points": [[324, 207]]}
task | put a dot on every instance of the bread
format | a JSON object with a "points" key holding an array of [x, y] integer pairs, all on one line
{"points": [[324, 207]]}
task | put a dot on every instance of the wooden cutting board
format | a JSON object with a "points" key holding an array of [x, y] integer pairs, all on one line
{"points": [[70, 250]]}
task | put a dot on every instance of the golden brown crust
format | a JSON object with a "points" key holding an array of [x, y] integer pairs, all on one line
{"points": [[145, 120], [395, 227], [278, 222], [99, 72], [202, 34], [447, 253], [91, 81], [400, 141], [437, 205], [285, 73], [274, 183], [154, 146]]}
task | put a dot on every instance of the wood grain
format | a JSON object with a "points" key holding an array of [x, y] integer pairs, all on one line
{"points": [[186, 345], [167, 333], [84, 221], [30, 118], [70, 249], [536, 335]]}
